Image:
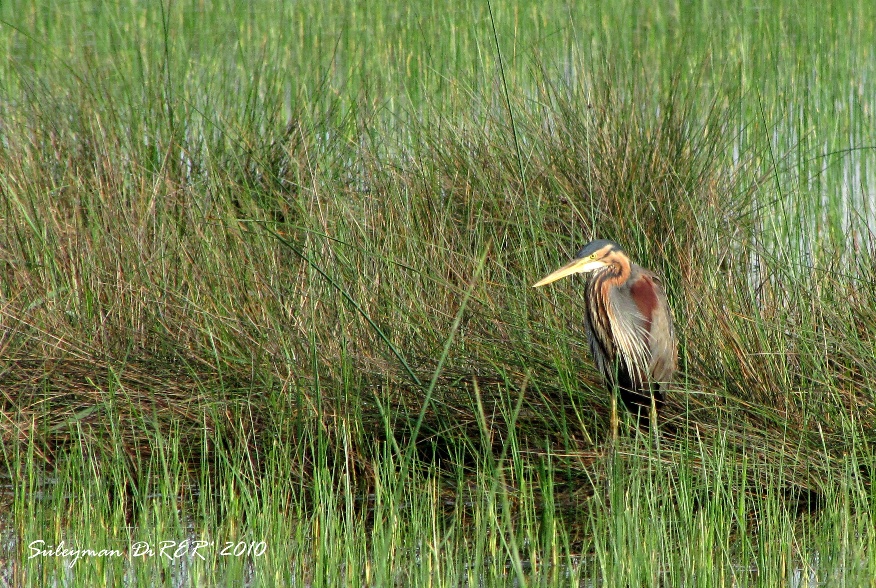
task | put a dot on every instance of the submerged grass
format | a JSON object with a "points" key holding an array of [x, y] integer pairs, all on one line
{"points": [[251, 254]]}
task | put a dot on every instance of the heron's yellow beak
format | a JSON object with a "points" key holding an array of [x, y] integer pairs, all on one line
{"points": [[576, 266]]}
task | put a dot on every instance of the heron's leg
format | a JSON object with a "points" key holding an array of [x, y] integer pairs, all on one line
{"points": [[652, 410], [614, 419]]}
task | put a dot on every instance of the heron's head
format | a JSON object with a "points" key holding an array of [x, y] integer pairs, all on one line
{"points": [[594, 256]]}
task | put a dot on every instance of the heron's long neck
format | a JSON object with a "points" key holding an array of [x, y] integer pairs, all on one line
{"points": [[618, 272], [599, 300]]}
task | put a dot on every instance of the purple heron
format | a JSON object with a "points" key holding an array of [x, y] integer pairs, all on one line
{"points": [[628, 325]]}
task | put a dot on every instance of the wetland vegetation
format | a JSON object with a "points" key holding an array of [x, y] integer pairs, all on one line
{"points": [[265, 294]]}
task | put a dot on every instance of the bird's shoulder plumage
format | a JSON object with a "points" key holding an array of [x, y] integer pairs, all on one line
{"points": [[621, 329], [654, 316]]}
